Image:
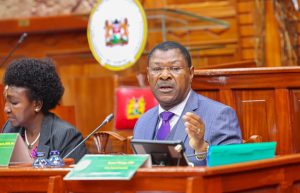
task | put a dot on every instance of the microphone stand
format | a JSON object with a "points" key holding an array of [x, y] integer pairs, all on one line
{"points": [[20, 41], [106, 120]]}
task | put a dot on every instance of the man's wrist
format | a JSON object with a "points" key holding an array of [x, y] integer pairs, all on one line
{"points": [[201, 155], [203, 147]]}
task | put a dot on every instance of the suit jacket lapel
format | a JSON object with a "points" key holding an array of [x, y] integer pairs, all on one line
{"points": [[45, 135], [150, 127], [191, 105]]}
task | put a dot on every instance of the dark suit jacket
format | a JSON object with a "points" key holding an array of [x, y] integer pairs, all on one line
{"points": [[56, 134], [221, 124]]}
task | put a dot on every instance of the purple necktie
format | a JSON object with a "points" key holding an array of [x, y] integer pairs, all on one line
{"points": [[165, 127]]}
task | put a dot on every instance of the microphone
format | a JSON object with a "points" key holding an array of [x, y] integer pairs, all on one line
{"points": [[20, 41], [106, 120], [23, 36]]}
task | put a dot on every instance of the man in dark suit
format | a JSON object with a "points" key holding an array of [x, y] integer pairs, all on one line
{"points": [[182, 114]]}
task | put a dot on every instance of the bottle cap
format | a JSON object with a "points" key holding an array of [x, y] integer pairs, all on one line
{"points": [[54, 152], [40, 154]]}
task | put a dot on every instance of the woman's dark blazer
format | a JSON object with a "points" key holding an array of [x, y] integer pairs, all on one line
{"points": [[56, 134]]}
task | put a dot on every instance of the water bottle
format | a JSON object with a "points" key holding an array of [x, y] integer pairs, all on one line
{"points": [[55, 160], [40, 161]]}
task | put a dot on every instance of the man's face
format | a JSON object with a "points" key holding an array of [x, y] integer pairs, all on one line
{"points": [[169, 77]]}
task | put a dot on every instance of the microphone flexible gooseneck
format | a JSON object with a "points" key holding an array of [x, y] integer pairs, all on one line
{"points": [[106, 120], [20, 41]]}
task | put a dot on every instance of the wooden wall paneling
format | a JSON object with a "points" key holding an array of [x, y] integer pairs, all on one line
{"points": [[248, 53], [66, 113], [225, 38], [212, 94], [91, 93], [153, 4], [208, 58], [182, 2], [45, 45], [248, 42], [265, 99], [244, 6], [246, 30], [93, 100], [295, 108], [247, 78], [215, 9], [283, 118], [33, 24], [256, 113], [71, 37], [237, 64], [245, 19], [214, 34], [227, 97], [89, 87]]}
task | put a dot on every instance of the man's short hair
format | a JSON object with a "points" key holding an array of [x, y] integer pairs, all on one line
{"points": [[169, 45]]}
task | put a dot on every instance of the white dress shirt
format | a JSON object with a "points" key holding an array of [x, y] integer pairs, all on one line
{"points": [[177, 110]]}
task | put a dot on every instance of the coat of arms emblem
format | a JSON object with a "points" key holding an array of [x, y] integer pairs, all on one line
{"points": [[116, 32], [135, 108]]}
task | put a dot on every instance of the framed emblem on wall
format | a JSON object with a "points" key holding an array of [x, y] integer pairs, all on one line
{"points": [[117, 33]]}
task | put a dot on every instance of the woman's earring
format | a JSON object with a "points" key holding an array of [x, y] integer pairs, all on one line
{"points": [[36, 110]]}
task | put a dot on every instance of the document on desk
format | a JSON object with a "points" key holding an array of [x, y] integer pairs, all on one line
{"points": [[108, 167], [236, 153]]}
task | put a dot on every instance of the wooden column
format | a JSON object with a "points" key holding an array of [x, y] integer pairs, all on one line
{"points": [[284, 124], [272, 38]]}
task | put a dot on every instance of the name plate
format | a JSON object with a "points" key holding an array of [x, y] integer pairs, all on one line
{"points": [[236, 153], [108, 167], [13, 150]]}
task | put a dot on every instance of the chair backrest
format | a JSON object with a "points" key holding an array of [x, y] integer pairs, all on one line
{"points": [[110, 142], [131, 103]]}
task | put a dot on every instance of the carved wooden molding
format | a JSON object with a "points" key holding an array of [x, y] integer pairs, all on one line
{"points": [[44, 24]]}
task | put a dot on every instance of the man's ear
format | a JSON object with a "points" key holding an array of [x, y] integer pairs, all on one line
{"points": [[192, 73]]}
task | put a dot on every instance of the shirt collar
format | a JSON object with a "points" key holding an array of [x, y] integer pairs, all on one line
{"points": [[177, 110]]}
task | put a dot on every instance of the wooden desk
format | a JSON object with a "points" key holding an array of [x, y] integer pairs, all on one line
{"points": [[175, 179], [281, 174], [28, 179]]}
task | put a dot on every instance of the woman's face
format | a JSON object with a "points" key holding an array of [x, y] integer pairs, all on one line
{"points": [[18, 108]]}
